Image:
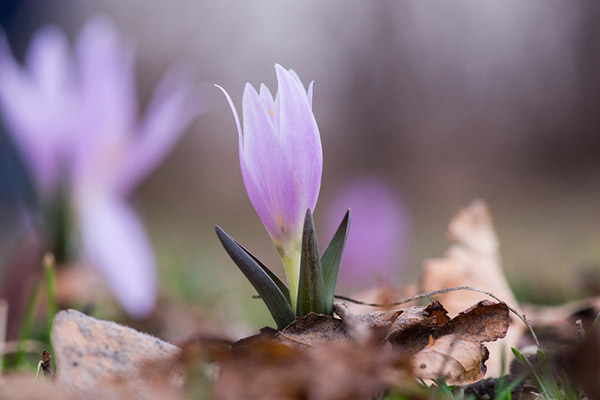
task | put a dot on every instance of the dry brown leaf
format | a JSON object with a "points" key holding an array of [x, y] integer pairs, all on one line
{"points": [[556, 325], [326, 371], [313, 329], [473, 260], [449, 349], [439, 347], [450, 358]]}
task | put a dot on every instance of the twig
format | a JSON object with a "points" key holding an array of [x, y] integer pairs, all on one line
{"points": [[442, 291]]}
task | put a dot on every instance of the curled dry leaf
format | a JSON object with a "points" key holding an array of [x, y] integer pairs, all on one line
{"points": [[451, 349], [473, 260], [423, 340]]}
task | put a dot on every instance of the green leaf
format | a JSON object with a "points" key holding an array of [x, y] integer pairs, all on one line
{"points": [[51, 305], [311, 292], [26, 325], [274, 278], [271, 295], [332, 259]]}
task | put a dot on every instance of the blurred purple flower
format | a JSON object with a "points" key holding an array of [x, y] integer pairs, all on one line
{"points": [[73, 115], [281, 161], [377, 242]]}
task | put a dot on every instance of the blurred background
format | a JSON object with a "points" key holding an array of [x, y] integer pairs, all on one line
{"points": [[437, 102]]}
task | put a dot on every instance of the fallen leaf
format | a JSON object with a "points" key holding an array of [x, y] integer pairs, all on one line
{"points": [[439, 347], [333, 370], [450, 358], [473, 260], [556, 325], [451, 349], [313, 329]]}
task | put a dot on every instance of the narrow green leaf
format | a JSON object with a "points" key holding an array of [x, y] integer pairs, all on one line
{"points": [[26, 325], [274, 278], [51, 305], [332, 258], [311, 292], [270, 293], [505, 392], [535, 376], [50, 279]]}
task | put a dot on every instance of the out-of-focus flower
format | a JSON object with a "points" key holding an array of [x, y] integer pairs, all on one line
{"points": [[377, 242], [281, 161], [73, 115]]}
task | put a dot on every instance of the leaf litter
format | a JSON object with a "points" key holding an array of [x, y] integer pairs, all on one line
{"points": [[352, 355]]}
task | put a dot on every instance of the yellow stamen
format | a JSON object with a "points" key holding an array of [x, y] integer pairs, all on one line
{"points": [[272, 112]]}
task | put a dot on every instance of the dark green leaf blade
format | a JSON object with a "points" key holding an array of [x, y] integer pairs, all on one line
{"points": [[311, 292], [332, 258], [282, 286], [272, 296]]}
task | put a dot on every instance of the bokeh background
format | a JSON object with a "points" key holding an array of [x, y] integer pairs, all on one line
{"points": [[444, 102]]}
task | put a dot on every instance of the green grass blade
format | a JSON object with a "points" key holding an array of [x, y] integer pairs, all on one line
{"points": [[284, 289], [52, 307], [26, 325], [50, 278], [271, 295], [505, 392], [535, 376], [311, 292], [332, 258]]}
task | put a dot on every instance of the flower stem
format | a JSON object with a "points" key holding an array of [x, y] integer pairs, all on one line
{"points": [[290, 265]]}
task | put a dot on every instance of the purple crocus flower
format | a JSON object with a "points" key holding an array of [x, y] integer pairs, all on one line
{"points": [[281, 161], [377, 242], [73, 116]]}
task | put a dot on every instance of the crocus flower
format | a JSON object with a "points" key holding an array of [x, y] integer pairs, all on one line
{"points": [[377, 243], [73, 116], [281, 161]]}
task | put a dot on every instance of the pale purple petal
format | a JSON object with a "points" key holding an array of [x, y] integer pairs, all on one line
{"points": [[33, 124], [115, 242], [171, 110], [51, 72], [257, 188], [280, 155], [310, 86], [107, 84], [296, 77], [235, 114], [267, 98], [378, 240], [309, 93], [301, 144], [261, 161], [50, 67]]}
